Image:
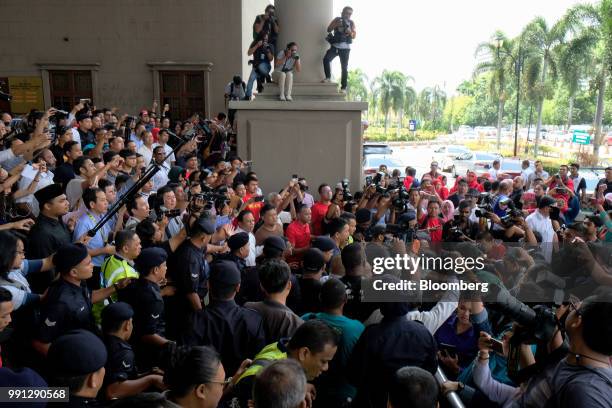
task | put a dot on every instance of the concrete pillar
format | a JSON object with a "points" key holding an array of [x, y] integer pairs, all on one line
{"points": [[305, 22]]}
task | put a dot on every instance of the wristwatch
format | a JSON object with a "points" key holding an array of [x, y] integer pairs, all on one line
{"points": [[460, 386]]}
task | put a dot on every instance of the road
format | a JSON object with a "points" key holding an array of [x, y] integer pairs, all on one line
{"points": [[418, 157]]}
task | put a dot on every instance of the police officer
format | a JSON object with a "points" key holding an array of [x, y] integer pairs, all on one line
{"points": [[48, 233], [189, 273], [235, 332], [121, 378], [69, 300], [145, 297], [76, 360]]}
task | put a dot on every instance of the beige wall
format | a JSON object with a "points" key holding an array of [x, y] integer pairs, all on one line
{"points": [[250, 9], [122, 36]]}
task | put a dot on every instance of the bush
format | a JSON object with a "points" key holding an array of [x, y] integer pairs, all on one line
{"points": [[377, 134]]}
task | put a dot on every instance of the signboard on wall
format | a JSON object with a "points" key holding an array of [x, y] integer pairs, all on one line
{"points": [[27, 94]]}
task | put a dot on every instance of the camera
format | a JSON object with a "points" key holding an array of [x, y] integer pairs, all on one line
{"points": [[400, 203], [168, 214], [5, 96], [485, 205], [346, 192]]}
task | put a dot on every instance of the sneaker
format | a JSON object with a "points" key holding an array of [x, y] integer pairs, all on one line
{"points": [[342, 91], [289, 98], [282, 97], [326, 81]]}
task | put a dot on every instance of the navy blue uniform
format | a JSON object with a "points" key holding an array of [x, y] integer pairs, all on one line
{"points": [[235, 332], [121, 363], [145, 298], [68, 307], [187, 269]]}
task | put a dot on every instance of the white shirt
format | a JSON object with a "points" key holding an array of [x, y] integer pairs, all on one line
{"points": [[254, 250], [27, 175], [493, 173], [167, 151], [74, 191], [542, 224], [525, 175], [76, 136], [146, 153], [6, 155], [160, 178]]}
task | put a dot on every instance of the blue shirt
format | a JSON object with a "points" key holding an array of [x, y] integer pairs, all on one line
{"points": [[98, 241], [466, 342]]}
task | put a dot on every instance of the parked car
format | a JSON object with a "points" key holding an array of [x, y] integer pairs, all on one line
{"points": [[372, 162], [479, 162], [513, 167], [445, 156], [376, 148]]}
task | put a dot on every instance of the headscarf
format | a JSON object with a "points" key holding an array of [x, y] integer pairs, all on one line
{"points": [[448, 210]]}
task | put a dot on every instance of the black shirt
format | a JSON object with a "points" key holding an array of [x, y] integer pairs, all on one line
{"points": [[186, 267], [383, 349], [45, 238], [58, 152], [87, 137], [355, 308], [63, 174], [235, 332], [310, 289], [68, 307], [145, 298], [120, 364]]}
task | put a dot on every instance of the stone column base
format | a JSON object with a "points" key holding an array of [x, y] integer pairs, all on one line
{"points": [[318, 140]]}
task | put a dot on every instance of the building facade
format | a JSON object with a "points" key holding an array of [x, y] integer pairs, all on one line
{"points": [[123, 53]]}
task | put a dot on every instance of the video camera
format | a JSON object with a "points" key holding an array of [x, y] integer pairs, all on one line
{"points": [[402, 229]]}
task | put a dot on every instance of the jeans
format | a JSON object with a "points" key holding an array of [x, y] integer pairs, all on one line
{"points": [[332, 53], [261, 70]]}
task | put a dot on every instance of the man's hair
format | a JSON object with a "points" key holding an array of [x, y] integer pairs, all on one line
{"points": [[595, 312], [282, 384], [314, 334], [335, 226], [291, 44], [123, 237], [274, 275], [108, 156], [352, 257], [413, 387], [78, 163], [242, 214], [105, 183], [155, 149], [463, 204], [505, 184], [463, 181], [564, 165], [266, 207], [410, 171], [90, 195], [5, 295], [333, 294], [348, 216], [133, 203], [321, 187], [347, 8], [68, 146], [576, 165]]}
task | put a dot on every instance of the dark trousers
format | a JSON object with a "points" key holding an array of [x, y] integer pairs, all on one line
{"points": [[332, 53]]}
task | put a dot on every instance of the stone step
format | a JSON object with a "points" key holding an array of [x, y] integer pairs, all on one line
{"points": [[304, 91]]}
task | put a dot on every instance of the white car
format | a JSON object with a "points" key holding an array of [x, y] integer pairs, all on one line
{"points": [[372, 162], [445, 156], [479, 162]]}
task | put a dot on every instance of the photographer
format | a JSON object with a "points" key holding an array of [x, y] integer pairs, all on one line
{"points": [[234, 91], [263, 54], [343, 29], [287, 61], [267, 22], [460, 228]]}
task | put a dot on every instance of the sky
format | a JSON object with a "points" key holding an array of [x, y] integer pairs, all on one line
{"points": [[434, 40]]}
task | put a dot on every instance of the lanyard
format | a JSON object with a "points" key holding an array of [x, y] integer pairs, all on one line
{"points": [[93, 219]]}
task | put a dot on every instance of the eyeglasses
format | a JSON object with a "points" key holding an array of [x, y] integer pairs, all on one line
{"points": [[223, 383]]}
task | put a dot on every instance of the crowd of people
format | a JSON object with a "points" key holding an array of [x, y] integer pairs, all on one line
{"points": [[141, 264]]}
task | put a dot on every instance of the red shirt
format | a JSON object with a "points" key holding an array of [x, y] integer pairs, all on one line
{"points": [[255, 208], [299, 236], [408, 180], [318, 213], [436, 235]]}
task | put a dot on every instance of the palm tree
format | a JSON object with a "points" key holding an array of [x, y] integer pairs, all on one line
{"points": [[374, 98], [392, 85], [410, 102], [399, 97], [593, 24], [541, 41], [431, 104], [357, 89], [499, 63]]}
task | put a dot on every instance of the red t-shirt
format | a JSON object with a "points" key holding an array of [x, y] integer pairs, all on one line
{"points": [[318, 213], [255, 208], [436, 235], [408, 180], [299, 236]]}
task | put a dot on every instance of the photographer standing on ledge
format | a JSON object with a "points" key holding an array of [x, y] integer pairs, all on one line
{"points": [[286, 61], [343, 29], [267, 22], [263, 54]]}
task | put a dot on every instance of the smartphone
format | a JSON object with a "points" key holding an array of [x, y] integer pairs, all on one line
{"points": [[84, 101], [368, 180], [294, 178], [497, 346], [258, 199]]}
